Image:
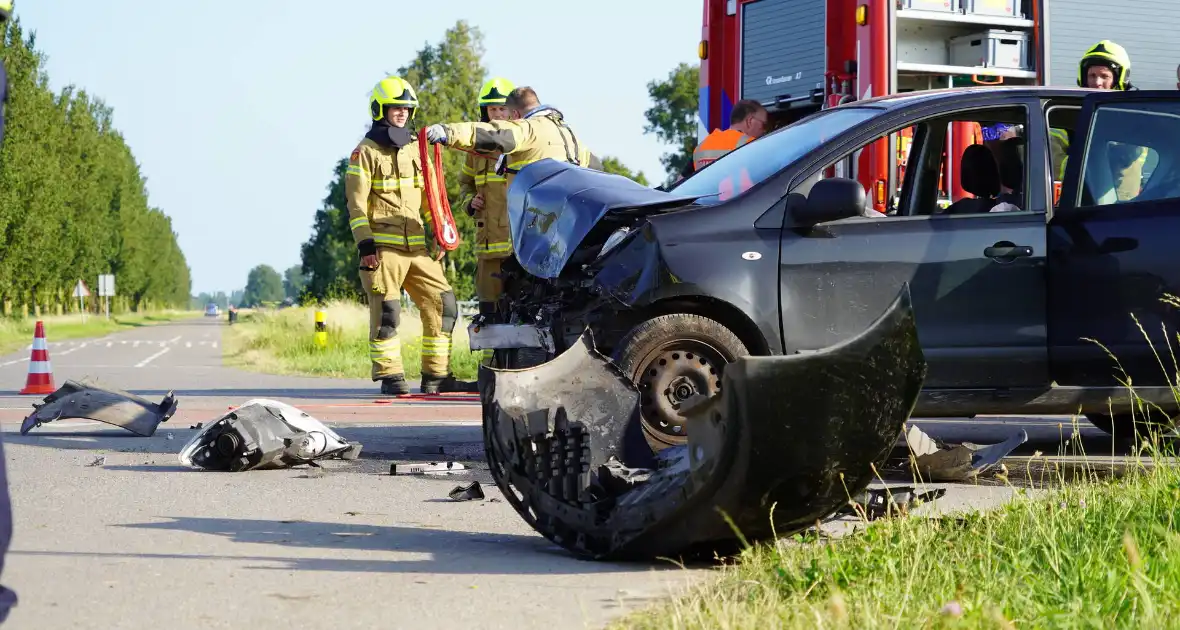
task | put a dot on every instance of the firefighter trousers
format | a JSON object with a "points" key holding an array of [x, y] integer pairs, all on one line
{"points": [[422, 277], [488, 287]]}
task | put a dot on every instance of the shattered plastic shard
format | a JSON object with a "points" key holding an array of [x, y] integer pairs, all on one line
{"points": [[796, 435], [89, 399], [264, 434]]}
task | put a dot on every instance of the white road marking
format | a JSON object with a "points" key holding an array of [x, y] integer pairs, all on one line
{"points": [[110, 343], [135, 345], [174, 339], [15, 362], [188, 344], [152, 358], [214, 344]]}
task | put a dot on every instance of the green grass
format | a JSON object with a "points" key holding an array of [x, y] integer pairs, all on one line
{"points": [[1094, 554], [282, 342], [1094, 550], [18, 333]]}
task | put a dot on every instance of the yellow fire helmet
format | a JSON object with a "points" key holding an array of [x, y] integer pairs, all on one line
{"points": [[5, 10], [494, 92], [392, 91], [1110, 54]]}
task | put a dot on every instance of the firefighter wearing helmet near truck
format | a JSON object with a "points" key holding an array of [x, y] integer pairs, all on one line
{"points": [[484, 195], [384, 189], [1106, 66]]}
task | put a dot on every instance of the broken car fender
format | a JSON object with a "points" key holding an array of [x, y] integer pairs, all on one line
{"points": [[264, 434], [794, 436], [87, 398]]}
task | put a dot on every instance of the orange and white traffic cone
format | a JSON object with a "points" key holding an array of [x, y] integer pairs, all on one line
{"points": [[40, 380]]}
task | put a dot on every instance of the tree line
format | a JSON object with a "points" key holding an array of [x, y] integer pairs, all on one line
{"points": [[73, 203], [447, 77]]}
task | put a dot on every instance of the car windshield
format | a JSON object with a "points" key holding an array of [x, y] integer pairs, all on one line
{"points": [[741, 169]]}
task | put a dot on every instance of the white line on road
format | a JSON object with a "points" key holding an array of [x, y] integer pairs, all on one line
{"points": [[174, 339], [152, 358], [188, 344], [135, 345], [110, 343], [15, 362]]}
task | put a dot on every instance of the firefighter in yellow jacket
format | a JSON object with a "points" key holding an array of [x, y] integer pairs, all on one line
{"points": [[541, 132], [484, 195], [1107, 66], [386, 199]]}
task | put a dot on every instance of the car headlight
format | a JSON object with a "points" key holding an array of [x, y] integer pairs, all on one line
{"points": [[613, 241]]}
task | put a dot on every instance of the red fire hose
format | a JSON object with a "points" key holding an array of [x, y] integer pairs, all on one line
{"points": [[446, 233]]}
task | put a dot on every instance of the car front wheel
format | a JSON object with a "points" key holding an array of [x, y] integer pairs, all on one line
{"points": [[672, 358]]}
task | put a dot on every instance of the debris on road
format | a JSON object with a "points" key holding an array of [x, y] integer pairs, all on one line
{"points": [[936, 461], [264, 434], [98, 461], [471, 492], [788, 436], [876, 503], [91, 400], [426, 469]]}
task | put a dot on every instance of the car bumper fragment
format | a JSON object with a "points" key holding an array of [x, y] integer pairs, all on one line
{"points": [[504, 336], [93, 401], [789, 440]]}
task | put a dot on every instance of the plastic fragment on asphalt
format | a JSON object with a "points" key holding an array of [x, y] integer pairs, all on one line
{"points": [[470, 492], [90, 399], [424, 469], [265, 434], [936, 461]]}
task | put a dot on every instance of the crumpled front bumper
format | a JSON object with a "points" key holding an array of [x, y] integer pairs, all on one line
{"points": [[789, 440]]}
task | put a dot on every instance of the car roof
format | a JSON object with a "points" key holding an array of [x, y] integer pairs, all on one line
{"points": [[905, 99]]}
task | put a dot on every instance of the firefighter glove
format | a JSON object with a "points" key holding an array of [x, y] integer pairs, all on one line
{"points": [[436, 134]]}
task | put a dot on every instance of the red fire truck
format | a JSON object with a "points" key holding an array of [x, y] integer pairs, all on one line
{"points": [[797, 56]]}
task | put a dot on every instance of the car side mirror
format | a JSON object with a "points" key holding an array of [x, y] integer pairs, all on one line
{"points": [[831, 199], [1116, 244]]}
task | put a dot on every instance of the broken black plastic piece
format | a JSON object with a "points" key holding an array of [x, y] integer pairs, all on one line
{"points": [[87, 398], [793, 436], [470, 492]]}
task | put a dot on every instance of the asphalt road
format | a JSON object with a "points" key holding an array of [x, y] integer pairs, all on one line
{"points": [[112, 533]]}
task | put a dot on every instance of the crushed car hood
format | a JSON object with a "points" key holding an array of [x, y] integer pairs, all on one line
{"points": [[553, 205]]}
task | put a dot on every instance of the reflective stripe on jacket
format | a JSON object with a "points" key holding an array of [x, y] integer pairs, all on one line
{"points": [[384, 190], [492, 239], [716, 145]]}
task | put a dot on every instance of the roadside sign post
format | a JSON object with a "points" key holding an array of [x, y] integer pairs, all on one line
{"points": [[81, 292], [106, 288]]}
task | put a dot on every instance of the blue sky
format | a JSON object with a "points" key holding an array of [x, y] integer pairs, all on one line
{"points": [[238, 111]]}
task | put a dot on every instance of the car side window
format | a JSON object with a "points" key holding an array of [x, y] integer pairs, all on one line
{"points": [[1131, 154]]}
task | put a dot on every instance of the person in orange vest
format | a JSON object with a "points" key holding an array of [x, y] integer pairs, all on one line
{"points": [[747, 122]]}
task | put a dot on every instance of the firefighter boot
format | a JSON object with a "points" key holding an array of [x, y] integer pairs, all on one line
{"points": [[394, 385], [433, 384]]}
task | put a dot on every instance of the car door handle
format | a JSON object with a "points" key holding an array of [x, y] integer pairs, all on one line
{"points": [[1008, 251]]}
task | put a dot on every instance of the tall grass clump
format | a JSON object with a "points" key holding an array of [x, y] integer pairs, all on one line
{"points": [[1096, 547], [282, 342]]}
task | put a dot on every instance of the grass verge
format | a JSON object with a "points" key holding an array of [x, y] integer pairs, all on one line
{"points": [[18, 333], [1098, 554], [282, 342]]}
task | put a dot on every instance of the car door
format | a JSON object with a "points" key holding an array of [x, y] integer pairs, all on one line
{"points": [[977, 280], [1114, 243]]}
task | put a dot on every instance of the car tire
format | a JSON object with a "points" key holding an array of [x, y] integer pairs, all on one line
{"points": [[1125, 426], [671, 358]]}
